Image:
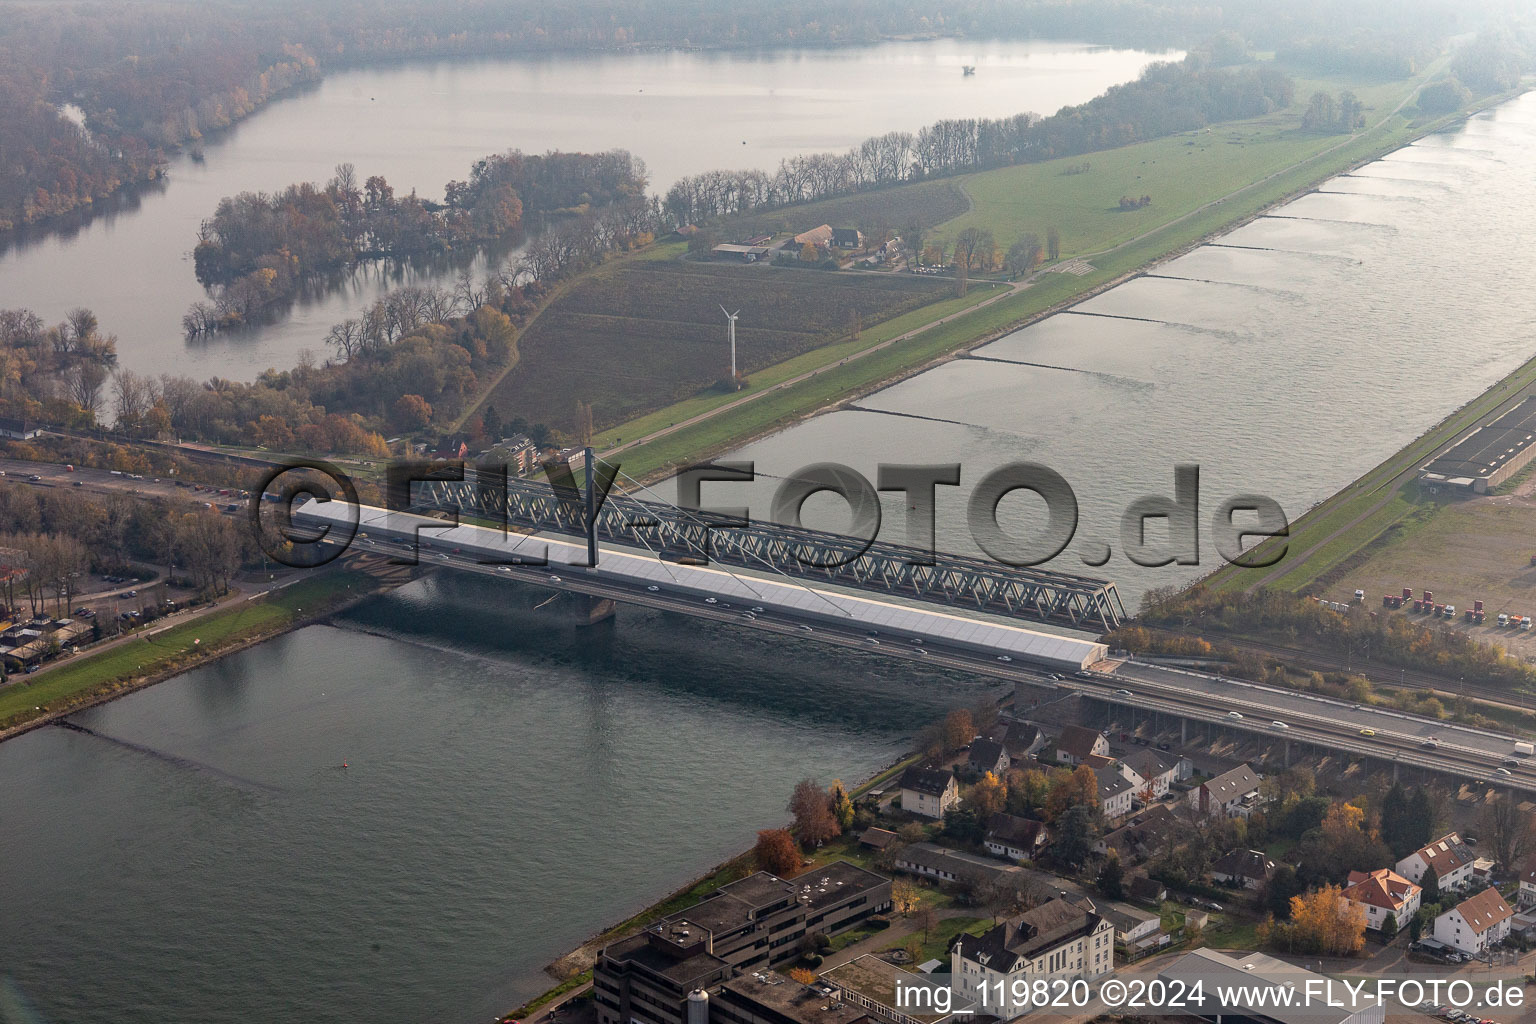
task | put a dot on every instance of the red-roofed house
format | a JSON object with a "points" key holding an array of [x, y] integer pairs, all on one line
{"points": [[1475, 923], [1451, 860], [1383, 892]]}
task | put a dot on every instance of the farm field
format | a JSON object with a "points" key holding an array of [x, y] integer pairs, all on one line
{"points": [[927, 203], [646, 333]]}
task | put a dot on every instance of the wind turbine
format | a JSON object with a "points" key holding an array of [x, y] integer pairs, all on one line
{"points": [[731, 318]]}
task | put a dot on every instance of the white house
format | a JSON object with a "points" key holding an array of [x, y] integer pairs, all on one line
{"points": [[1151, 768], [989, 755], [1138, 931], [1115, 792], [1057, 939], [1381, 893], [1077, 743], [928, 792], [1449, 857], [1233, 793], [1015, 838], [1475, 923], [1526, 897]]}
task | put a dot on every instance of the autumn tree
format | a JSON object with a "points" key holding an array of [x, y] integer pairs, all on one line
{"points": [[1077, 788], [776, 852], [1052, 244], [988, 796], [959, 729], [410, 412], [1322, 922], [905, 897], [811, 806], [842, 805], [1027, 790], [803, 975]]}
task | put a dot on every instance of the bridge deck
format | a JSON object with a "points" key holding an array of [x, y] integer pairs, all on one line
{"points": [[479, 545]]}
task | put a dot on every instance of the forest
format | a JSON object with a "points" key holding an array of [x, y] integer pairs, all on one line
{"points": [[1168, 98], [95, 97], [257, 249]]}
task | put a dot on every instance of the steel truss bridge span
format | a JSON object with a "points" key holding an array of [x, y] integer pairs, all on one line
{"points": [[681, 534]]}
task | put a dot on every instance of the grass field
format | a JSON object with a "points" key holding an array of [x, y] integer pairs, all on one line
{"points": [[1180, 173], [647, 333], [171, 650]]}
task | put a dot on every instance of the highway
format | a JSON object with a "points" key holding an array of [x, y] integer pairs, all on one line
{"points": [[1348, 728], [1475, 754]]}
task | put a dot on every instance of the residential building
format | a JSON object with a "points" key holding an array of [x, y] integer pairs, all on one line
{"points": [[1249, 869], [1020, 739], [1145, 890], [1476, 923], [928, 792], [1147, 833], [870, 984], [1221, 975], [1077, 743], [767, 997], [988, 756], [749, 924], [13, 429], [1014, 838], [1526, 897], [1233, 793], [1450, 858], [1151, 769], [1115, 792], [1381, 893], [953, 866], [1057, 939], [1137, 932], [847, 238]]}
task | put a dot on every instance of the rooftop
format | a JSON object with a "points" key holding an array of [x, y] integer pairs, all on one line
{"points": [[808, 1004], [1484, 451], [1230, 785], [639, 950], [932, 781], [1239, 971], [1484, 910], [876, 980], [1078, 740]]}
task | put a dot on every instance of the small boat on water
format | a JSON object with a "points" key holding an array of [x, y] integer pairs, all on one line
{"points": [[969, 69]]}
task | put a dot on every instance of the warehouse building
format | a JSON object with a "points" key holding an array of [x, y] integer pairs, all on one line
{"points": [[1488, 456]]}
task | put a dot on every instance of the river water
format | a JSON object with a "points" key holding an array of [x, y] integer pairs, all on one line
{"points": [[513, 785], [1286, 359], [424, 124]]}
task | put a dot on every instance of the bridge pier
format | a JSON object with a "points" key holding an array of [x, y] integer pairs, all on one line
{"points": [[592, 610], [1183, 730]]}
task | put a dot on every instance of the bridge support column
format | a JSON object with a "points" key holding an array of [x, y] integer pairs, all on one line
{"points": [[1287, 753], [592, 610], [1183, 730], [1394, 771]]}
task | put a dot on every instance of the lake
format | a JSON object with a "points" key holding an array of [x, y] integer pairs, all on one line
{"points": [[424, 124]]}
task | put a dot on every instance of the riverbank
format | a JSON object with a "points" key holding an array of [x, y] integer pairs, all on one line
{"points": [[574, 969], [699, 436], [142, 661]]}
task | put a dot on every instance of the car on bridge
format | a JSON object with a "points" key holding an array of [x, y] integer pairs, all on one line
{"points": [[1367, 732]]}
